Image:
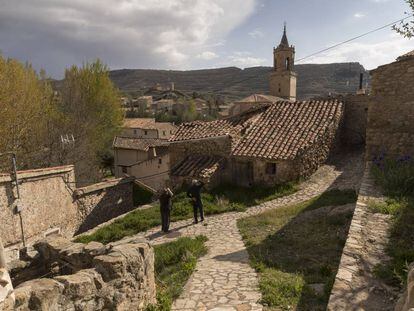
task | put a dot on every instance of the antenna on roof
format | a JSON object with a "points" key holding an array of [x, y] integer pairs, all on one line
{"points": [[67, 141]]}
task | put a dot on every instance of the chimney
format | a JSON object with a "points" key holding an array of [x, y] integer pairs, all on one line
{"points": [[361, 89]]}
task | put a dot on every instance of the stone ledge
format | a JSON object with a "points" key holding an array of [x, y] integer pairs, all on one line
{"points": [[102, 185], [57, 170]]}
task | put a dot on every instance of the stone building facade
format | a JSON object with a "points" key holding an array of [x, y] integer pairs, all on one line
{"points": [[268, 145], [51, 204], [282, 77], [390, 127]]}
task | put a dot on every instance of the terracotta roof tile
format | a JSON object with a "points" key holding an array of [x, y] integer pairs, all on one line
{"points": [[286, 128], [144, 123], [197, 166], [232, 126], [137, 143]]}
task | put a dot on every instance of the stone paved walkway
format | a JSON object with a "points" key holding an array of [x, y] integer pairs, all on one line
{"points": [[223, 279]]}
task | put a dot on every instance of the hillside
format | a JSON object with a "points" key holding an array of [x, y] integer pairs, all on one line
{"points": [[233, 82]]}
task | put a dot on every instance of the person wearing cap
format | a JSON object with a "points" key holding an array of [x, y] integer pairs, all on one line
{"points": [[194, 193], [165, 208]]}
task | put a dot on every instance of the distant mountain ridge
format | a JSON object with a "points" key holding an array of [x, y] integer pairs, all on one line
{"points": [[314, 80]]}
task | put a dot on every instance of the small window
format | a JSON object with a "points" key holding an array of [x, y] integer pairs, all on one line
{"points": [[145, 132], [124, 169], [160, 161], [163, 133], [170, 131], [271, 168], [135, 132]]}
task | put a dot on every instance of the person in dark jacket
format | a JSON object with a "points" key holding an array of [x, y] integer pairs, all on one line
{"points": [[165, 208], [194, 192]]}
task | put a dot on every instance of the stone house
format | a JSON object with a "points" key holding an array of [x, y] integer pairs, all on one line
{"points": [[141, 151], [269, 144], [390, 124]]}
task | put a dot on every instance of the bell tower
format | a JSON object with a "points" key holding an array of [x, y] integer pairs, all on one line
{"points": [[282, 77]]}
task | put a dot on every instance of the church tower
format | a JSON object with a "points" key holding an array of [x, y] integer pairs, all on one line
{"points": [[282, 78]]}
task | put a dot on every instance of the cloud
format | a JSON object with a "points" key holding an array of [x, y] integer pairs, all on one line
{"points": [[207, 55], [257, 33], [243, 60], [124, 33], [359, 15], [371, 55]]}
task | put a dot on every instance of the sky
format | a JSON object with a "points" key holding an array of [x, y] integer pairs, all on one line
{"points": [[195, 34]]}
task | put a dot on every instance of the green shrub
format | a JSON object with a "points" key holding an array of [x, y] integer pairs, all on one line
{"points": [[396, 177]]}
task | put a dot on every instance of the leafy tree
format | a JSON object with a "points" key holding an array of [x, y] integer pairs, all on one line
{"points": [[93, 115], [26, 107], [406, 29]]}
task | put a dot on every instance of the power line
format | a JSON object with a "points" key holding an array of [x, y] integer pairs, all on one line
{"points": [[354, 38]]}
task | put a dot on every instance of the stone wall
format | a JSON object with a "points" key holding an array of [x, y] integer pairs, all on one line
{"points": [[153, 172], [356, 285], [46, 204], [390, 126], [355, 119], [103, 201], [219, 146], [50, 204], [118, 276]]}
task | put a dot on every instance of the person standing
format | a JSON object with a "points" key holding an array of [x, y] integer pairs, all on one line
{"points": [[165, 208], [194, 192]]}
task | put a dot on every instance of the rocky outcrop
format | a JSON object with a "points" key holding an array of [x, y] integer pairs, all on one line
{"points": [[6, 287], [89, 277]]}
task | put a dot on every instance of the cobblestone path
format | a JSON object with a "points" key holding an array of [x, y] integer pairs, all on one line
{"points": [[223, 279]]}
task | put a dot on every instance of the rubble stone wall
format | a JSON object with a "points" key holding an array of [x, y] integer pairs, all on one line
{"points": [[218, 146], [390, 127], [119, 276], [103, 201]]}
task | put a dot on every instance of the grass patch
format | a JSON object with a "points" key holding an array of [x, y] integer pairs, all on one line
{"points": [[291, 250], [401, 244], [396, 178], [174, 264], [219, 200], [141, 195]]}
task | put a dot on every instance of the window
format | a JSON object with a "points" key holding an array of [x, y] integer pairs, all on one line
{"points": [[124, 169], [145, 132], [271, 168], [135, 132], [163, 133], [160, 161], [170, 131], [287, 63]]}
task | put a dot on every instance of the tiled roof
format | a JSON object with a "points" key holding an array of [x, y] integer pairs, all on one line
{"points": [[407, 55], [260, 98], [197, 166], [144, 123], [231, 126], [137, 143], [286, 128]]}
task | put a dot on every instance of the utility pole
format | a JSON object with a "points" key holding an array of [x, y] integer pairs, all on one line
{"points": [[17, 208]]}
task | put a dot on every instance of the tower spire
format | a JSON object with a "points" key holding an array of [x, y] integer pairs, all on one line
{"points": [[284, 42]]}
